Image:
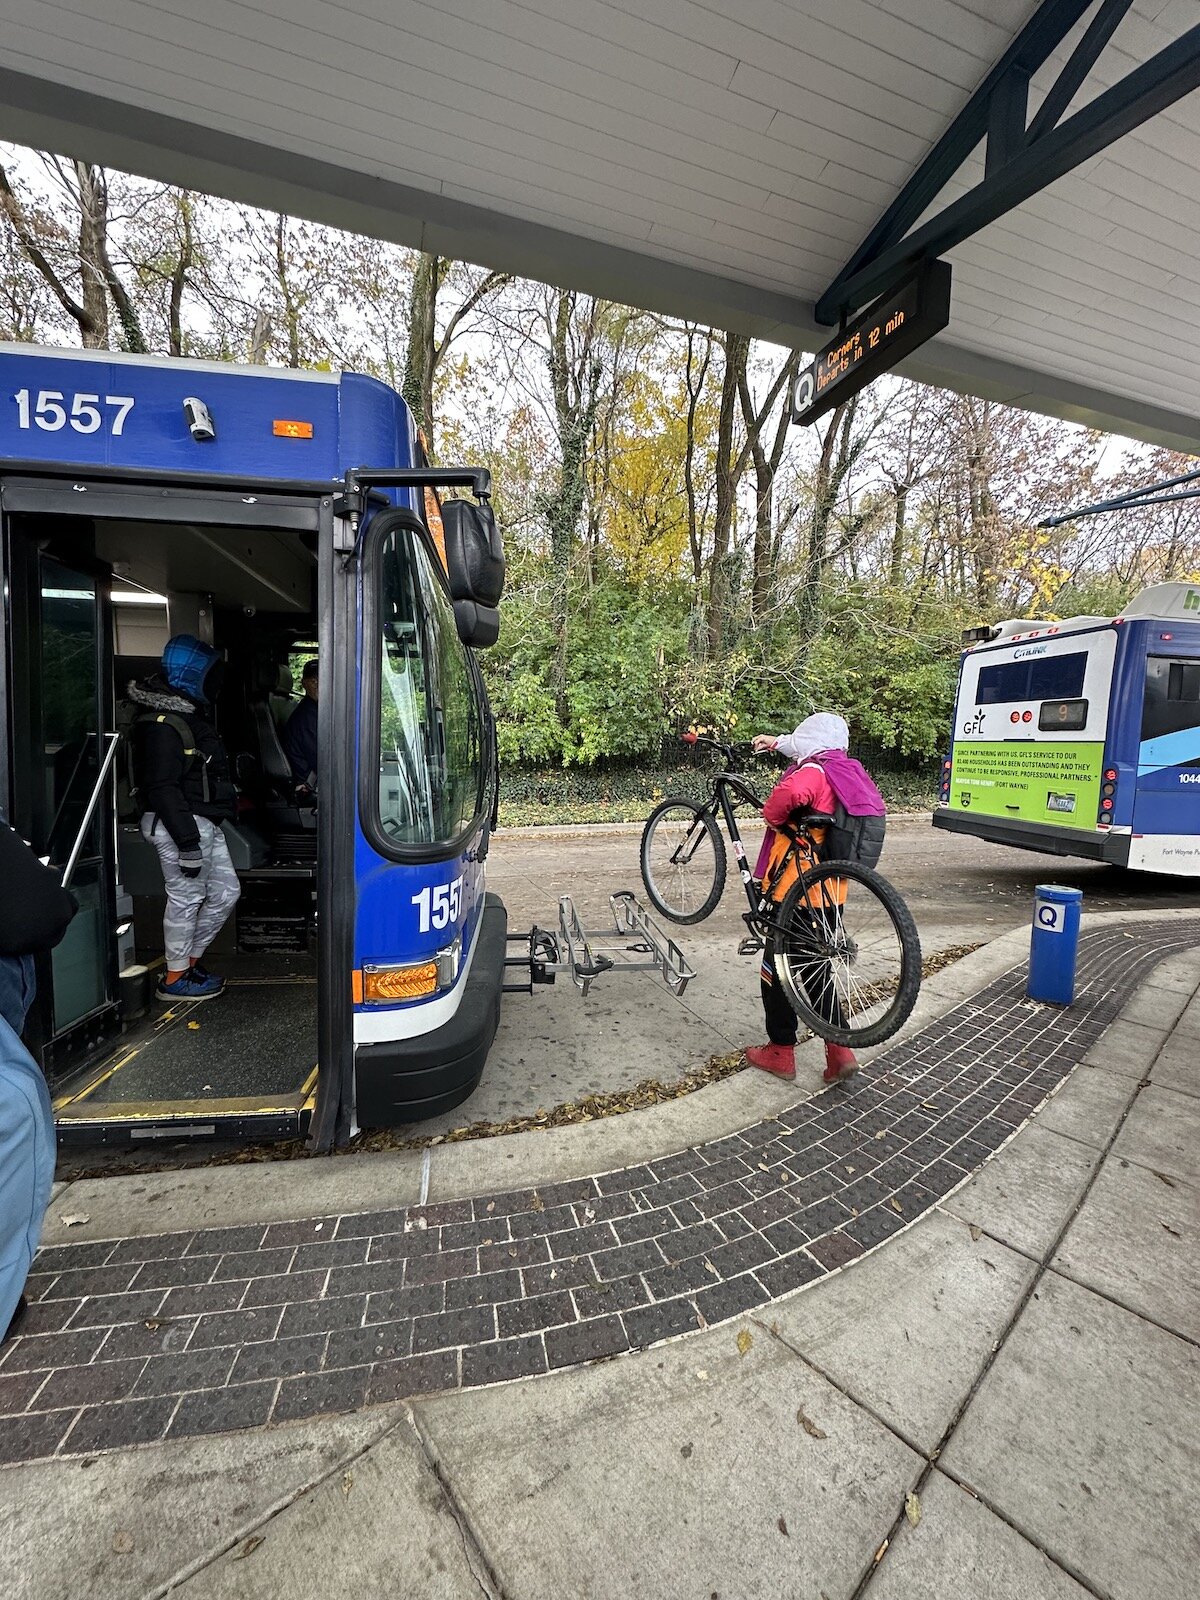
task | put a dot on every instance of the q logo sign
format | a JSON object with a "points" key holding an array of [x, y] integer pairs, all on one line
{"points": [[806, 388], [1049, 916]]}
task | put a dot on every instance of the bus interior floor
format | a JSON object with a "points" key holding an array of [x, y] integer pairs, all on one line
{"points": [[257, 1039]]}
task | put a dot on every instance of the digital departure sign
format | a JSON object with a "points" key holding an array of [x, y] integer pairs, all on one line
{"points": [[886, 332]]}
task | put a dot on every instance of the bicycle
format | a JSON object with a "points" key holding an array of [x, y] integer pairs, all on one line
{"points": [[848, 963]]}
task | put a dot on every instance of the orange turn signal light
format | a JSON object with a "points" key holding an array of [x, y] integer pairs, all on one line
{"points": [[382, 984], [283, 429]]}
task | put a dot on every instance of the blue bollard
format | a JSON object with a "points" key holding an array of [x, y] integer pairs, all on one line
{"points": [[1054, 944]]}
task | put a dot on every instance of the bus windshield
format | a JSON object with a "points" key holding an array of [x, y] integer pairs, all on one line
{"points": [[430, 769]]}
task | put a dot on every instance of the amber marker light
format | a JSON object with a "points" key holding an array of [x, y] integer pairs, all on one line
{"points": [[384, 984], [284, 429]]}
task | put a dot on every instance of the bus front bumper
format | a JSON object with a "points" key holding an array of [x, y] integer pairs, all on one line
{"points": [[1089, 843], [406, 1080]]}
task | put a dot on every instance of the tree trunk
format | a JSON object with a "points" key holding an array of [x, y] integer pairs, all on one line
{"points": [[737, 350], [694, 381]]}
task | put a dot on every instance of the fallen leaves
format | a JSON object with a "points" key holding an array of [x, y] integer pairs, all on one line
{"points": [[744, 1341], [122, 1542], [1162, 1178], [976, 1232], [248, 1547], [882, 1551], [783, 1528], [74, 1221], [347, 1483], [912, 1508], [809, 1426], [895, 1205]]}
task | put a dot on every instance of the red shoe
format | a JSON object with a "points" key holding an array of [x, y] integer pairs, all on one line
{"points": [[777, 1059], [840, 1063]]}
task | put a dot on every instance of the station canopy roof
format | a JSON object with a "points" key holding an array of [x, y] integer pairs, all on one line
{"points": [[714, 161]]}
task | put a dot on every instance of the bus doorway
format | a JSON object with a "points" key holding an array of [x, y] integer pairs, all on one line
{"points": [[100, 576]]}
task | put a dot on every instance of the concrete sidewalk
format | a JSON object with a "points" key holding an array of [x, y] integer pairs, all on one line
{"points": [[988, 1387]]}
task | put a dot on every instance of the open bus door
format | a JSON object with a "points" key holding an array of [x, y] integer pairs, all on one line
{"points": [[247, 1066]]}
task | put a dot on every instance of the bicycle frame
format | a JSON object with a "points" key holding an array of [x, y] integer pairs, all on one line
{"points": [[728, 791]]}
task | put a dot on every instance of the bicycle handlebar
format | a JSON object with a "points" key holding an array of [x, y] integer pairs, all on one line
{"points": [[729, 751]]}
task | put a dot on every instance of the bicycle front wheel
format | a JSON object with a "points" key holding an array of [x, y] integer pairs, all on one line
{"points": [[847, 954], [682, 860]]}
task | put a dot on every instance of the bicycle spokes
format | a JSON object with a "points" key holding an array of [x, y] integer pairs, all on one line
{"points": [[848, 954]]}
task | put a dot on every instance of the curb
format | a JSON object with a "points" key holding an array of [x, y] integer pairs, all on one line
{"points": [[142, 1204]]}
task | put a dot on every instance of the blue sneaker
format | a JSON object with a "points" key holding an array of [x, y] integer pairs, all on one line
{"points": [[189, 987], [198, 970]]}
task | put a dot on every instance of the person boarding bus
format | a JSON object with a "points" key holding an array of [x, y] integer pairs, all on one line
{"points": [[181, 778]]}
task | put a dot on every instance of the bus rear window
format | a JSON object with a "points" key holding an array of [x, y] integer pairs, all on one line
{"points": [[1043, 678]]}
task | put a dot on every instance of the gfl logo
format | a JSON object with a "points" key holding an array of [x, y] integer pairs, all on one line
{"points": [[973, 724]]}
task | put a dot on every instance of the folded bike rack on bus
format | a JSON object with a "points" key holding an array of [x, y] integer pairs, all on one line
{"points": [[633, 944]]}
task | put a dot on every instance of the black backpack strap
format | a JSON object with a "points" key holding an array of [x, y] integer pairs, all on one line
{"points": [[169, 719]]}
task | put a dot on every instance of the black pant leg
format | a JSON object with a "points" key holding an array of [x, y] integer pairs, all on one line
{"points": [[817, 979], [781, 1019]]}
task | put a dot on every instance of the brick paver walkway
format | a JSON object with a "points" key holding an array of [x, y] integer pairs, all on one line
{"points": [[135, 1340]]}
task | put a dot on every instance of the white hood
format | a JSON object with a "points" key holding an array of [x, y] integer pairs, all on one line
{"points": [[822, 731]]}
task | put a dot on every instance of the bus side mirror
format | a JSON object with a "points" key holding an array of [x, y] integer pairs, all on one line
{"points": [[475, 568], [478, 626], [474, 552]]}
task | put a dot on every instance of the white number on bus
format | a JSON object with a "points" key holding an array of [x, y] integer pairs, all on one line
{"points": [[439, 907], [47, 409]]}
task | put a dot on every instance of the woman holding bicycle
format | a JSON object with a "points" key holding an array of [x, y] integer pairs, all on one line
{"points": [[805, 788]]}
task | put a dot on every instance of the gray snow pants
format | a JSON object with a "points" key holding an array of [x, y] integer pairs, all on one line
{"points": [[197, 908]]}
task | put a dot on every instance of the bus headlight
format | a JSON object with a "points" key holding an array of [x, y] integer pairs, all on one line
{"points": [[386, 984]]}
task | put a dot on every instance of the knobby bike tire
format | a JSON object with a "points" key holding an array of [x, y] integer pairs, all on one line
{"points": [[868, 882], [673, 911]]}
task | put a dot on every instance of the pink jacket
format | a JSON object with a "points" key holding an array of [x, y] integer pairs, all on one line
{"points": [[804, 785]]}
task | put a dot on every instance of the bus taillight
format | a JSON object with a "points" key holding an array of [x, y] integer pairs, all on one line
{"points": [[1108, 791]]}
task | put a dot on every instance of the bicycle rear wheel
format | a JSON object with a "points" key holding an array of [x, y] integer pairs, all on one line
{"points": [[847, 954], [682, 860]]}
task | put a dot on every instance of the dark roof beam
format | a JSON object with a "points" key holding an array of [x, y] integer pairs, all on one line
{"points": [[1142, 94], [1031, 48], [1082, 59]]}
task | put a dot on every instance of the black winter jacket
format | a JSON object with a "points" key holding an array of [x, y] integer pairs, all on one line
{"points": [[171, 785], [35, 909]]}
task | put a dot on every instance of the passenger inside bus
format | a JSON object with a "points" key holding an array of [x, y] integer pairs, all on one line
{"points": [[300, 731]]}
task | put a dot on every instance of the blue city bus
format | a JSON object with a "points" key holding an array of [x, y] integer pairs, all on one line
{"points": [[1082, 737], [279, 516]]}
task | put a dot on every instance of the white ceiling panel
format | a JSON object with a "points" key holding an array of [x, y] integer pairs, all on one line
{"points": [[699, 159]]}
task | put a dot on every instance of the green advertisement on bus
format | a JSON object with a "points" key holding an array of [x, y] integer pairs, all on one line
{"points": [[1055, 783]]}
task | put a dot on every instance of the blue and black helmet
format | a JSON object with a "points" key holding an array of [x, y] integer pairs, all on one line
{"points": [[186, 663]]}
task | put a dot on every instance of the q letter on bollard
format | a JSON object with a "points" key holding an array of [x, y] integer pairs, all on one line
{"points": [[1054, 944]]}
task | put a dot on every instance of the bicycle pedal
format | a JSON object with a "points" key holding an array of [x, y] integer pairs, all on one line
{"points": [[749, 947]]}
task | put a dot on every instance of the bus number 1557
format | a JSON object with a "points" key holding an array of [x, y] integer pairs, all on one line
{"points": [[48, 410]]}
